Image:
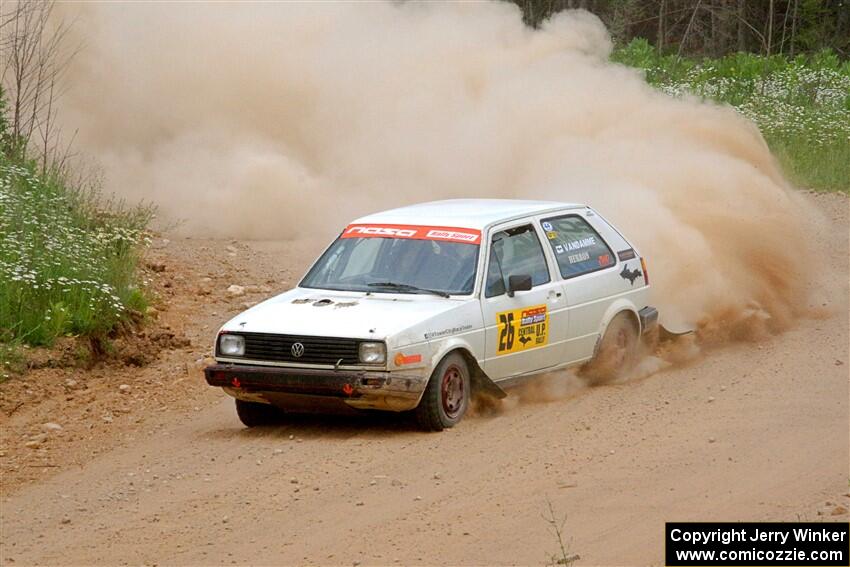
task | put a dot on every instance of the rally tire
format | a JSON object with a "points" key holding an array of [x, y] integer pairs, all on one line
{"points": [[254, 414], [446, 398], [617, 353]]}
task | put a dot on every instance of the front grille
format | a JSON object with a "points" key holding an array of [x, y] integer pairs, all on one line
{"points": [[317, 350]]}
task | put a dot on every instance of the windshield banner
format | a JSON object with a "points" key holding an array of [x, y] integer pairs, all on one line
{"points": [[413, 232]]}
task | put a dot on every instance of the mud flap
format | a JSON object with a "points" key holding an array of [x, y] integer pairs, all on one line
{"points": [[481, 383], [648, 319], [654, 332], [665, 334]]}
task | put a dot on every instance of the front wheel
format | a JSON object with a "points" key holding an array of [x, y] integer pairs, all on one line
{"points": [[617, 353], [446, 397], [254, 414]]}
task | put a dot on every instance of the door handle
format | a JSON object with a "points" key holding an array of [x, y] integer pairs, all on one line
{"points": [[555, 294]]}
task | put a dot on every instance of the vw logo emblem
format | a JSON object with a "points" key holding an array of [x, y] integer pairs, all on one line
{"points": [[297, 350]]}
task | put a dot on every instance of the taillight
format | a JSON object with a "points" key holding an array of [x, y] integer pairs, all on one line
{"points": [[645, 273]]}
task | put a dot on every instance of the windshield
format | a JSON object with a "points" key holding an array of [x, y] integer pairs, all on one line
{"points": [[395, 265]]}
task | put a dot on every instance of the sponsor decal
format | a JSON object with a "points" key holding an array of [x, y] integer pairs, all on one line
{"points": [[580, 257], [401, 359], [624, 255], [604, 259], [547, 225], [630, 275], [447, 332], [522, 329], [581, 243], [559, 249], [442, 234], [413, 232], [551, 235]]}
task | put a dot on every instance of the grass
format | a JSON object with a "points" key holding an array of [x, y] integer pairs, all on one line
{"points": [[68, 260], [801, 105], [556, 525]]}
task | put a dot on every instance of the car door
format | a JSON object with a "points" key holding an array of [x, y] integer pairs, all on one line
{"points": [[583, 246], [524, 332]]}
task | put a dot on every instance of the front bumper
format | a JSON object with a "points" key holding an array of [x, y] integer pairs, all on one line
{"points": [[285, 386]]}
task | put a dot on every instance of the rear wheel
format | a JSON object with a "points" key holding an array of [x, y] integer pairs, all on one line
{"points": [[253, 414], [617, 353], [446, 397]]}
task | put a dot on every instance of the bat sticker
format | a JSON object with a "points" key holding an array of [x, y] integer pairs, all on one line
{"points": [[630, 275]]}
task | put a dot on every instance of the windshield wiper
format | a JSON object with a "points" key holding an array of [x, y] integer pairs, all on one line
{"points": [[408, 287]]}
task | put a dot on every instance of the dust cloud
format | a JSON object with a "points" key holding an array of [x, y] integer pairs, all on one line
{"points": [[653, 357], [285, 120]]}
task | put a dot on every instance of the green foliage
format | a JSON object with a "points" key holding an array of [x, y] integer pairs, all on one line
{"points": [[67, 258], [801, 105], [11, 360]]}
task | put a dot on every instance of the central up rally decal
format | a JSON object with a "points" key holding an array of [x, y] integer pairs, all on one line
{"points": [[522, 329], [413, 232]]}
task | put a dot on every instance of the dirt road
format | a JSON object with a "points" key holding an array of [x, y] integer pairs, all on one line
{"points": [[748, 432]]}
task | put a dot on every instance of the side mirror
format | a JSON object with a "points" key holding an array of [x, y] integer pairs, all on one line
{"points": [[518, 283]]}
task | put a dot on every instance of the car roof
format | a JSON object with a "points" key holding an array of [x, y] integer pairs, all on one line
{"points": [[464, 213]]}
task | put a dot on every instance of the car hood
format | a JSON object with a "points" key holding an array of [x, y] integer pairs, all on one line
{"points": [[315, 312]]}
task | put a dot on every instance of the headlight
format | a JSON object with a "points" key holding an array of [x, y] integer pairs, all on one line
{"points": [[231, 345], [373, 353]]}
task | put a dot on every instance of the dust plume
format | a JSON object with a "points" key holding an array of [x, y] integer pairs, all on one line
{"points": [[287, 120], [558, 385]]}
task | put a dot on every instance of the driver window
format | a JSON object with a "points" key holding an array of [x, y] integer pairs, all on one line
{"points": [[361, 257], [515, 251]]}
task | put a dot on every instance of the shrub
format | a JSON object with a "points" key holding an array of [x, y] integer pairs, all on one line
{"points": [[67, 258], [801, 105]]}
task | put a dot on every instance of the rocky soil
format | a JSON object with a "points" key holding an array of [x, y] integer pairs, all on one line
{"points": [[136, 461]]}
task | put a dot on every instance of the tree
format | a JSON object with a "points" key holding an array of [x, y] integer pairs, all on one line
{"points": [[33, 56], [715, 27]]}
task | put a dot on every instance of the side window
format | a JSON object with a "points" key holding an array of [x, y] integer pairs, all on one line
{"points": [[578, 248], [515, 251]]}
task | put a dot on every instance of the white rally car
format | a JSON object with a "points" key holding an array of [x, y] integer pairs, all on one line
{"points": [[416, 307]]}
